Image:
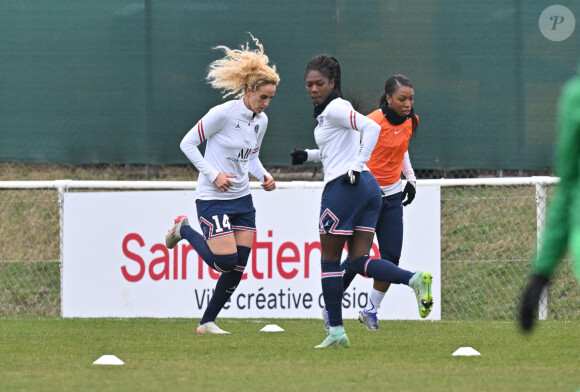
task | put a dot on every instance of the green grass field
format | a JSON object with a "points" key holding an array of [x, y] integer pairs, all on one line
{"points": [[167, 355]]}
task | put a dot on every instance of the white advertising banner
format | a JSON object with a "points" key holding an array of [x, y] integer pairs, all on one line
{"points": [[115, 263]]}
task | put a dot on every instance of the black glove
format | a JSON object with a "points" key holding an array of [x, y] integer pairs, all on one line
{"points": [[351, 177], [409, 192], [299, 156], [531, 300]]}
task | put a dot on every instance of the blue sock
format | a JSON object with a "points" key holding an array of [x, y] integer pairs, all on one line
{"points": [[225, 263], [332, 291], [348, 273], [220, 263], [381, 270], [243, 256], [197, 241], [225, 286]]}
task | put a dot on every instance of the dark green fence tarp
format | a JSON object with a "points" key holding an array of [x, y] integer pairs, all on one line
{"points": [[118, 81]]}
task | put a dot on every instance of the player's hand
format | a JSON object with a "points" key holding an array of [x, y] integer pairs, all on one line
{"points": [[351, 177], [268, 184], [531, 300], [298, 156], [223, 183], [409, 192]]}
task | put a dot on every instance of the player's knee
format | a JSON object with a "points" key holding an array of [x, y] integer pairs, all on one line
{"points": [[226, 263], [359, 265]]}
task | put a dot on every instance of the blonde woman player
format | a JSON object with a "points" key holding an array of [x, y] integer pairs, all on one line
{"points": [[234, 132]]}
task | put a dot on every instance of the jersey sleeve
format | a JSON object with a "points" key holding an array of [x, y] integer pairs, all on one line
{"points": [[407, 168], [347, 117], [558, 225], [210, 124], [313, 155]]}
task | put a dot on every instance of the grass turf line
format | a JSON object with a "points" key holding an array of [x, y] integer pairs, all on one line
{"points": [[57, 355]]}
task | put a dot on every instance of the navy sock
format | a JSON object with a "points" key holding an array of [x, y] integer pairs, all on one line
{"points": [[198, 242], [243, 256], [225, 286], [220, 263], [381, 270], [348, 274], [225, 263], [332, 291]]}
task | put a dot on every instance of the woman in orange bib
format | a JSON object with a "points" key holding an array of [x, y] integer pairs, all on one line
{"points": [[389, 159]]}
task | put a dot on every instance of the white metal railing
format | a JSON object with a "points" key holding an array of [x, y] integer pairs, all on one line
{"points": [[81, 184]]}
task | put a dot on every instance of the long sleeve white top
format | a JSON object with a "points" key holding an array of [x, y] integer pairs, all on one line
{"points": [[345, 139], [234, 136]]}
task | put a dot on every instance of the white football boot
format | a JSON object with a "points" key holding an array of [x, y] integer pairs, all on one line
{"points": [[173, 236], [210, 328]]}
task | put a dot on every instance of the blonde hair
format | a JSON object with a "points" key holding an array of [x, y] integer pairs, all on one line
{"points": [[241, 68]]}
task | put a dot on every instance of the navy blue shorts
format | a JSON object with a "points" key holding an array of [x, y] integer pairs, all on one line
{"points": [[218, 218], [346, 208]]}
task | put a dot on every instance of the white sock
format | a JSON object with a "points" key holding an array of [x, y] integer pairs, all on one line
{"points": [[375, 300]]}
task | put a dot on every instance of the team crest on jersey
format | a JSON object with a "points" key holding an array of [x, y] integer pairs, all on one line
{"points": [[320, 121], [256, 128]]}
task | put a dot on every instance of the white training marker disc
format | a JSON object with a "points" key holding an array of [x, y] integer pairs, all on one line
{"points": [[465, 351], [108, 360], [272, 328]]}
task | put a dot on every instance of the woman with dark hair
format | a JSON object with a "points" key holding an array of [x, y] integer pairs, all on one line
{"points": [[351, 199], [390, 157]]}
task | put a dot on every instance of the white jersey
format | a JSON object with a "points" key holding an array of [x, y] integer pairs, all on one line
{"points": [[234, 135], [341, 147]]}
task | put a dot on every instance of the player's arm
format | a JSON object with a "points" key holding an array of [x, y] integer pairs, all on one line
{"points": [[210, 124], [369, 130], [557, 229], [255, 165], [301, 156], [411, 186]]}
